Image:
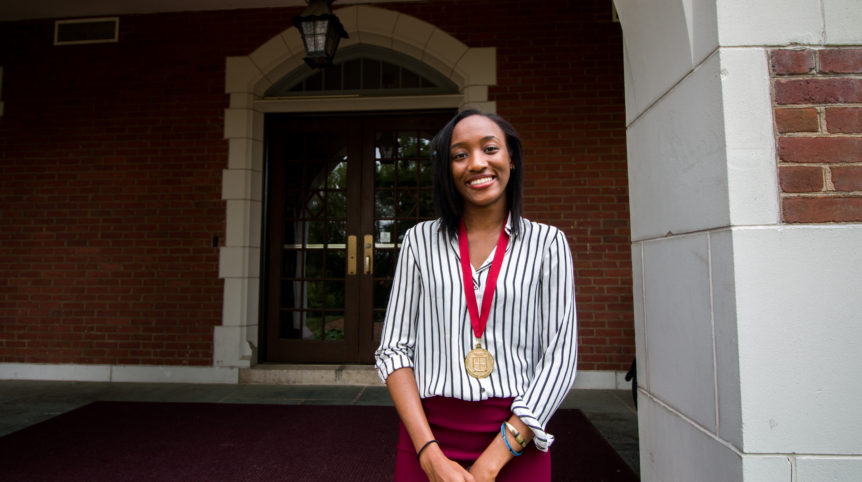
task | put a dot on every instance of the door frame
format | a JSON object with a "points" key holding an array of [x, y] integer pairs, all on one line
{"points": [[359, 343], [308, 351]]}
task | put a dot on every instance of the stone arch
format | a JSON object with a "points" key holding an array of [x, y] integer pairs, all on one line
{"points": [[473, 70]]}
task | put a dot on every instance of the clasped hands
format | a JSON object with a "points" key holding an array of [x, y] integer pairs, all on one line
{"points": [[440, 468]]}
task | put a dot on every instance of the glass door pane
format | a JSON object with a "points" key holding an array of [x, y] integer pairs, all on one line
{"points": [[402, 198], [314, 250]]}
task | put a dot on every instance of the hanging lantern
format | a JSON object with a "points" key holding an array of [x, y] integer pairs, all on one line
{"points": [[321, 31]]}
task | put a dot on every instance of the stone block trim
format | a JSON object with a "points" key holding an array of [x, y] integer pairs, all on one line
{"points": [[817, 106]]}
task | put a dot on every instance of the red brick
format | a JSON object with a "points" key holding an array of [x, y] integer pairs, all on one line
{"points": [[841, 61], [821, 209], [795, 179], [797, 120], [820, 149], [792, 61], [844, 120], [847, 178], [818, 91]]}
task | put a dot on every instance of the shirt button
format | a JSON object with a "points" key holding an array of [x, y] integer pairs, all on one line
{"points": [[482, 389]]}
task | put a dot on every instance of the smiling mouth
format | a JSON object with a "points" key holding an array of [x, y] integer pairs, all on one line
{"points": [[480, 181]]}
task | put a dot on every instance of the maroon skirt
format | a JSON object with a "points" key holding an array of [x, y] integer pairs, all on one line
{"points": [[464, 430]]}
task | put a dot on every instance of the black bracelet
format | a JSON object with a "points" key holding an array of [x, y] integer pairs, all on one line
{"points": [[419, 453]]}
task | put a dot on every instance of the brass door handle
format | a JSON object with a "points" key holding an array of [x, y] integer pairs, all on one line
{"points": [[351, 255], [369, 254]]}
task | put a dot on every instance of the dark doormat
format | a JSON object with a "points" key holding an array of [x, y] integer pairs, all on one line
{"points": [[126, 441]]}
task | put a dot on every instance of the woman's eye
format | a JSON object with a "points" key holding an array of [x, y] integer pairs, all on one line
{"points": [[491, 149], [458, 155]]}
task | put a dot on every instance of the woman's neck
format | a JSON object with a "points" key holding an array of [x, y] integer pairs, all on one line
{"points": [[490, 218], [483, 232]]}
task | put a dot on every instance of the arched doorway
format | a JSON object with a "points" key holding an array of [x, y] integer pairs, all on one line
{"points": [[341, 189], [255, 84]]}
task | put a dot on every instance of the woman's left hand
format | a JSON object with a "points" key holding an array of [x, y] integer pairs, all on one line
{"points": [[498, 453], [492, 460], [482, 471]]}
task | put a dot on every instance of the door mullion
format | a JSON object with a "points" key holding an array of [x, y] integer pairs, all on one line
{"points": [[364, 307], [353, 282]]}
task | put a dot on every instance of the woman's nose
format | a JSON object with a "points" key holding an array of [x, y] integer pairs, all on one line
{"points": [[477, 161]]}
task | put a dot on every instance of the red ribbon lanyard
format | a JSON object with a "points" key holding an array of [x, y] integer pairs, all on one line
{"points": [[472, 307]]}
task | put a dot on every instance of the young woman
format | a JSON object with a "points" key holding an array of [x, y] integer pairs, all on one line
{"points": [[479, 343]]}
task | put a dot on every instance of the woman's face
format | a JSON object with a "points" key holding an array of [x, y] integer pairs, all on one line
{"points": [[480, 162]]}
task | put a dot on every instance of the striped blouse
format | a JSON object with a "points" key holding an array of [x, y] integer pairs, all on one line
{"points": [[531, 330]]}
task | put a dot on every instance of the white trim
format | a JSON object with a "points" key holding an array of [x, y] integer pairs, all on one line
{"points": [[356, 103], [35, 371], [114, 39], [601, 380], [290, 374], [117, 373], [366, 375], [342, 375]]}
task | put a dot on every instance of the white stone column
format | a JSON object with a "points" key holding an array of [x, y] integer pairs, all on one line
{"points": [[749, 331]]}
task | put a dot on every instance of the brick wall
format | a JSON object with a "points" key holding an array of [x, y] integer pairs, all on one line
{"points": [[111, 158], [818, 120]]}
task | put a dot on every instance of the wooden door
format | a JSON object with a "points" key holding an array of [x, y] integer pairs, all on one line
{"points": [[341, 192]]}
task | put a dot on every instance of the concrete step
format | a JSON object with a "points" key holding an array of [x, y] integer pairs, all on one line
{"points": [[294, 374]]}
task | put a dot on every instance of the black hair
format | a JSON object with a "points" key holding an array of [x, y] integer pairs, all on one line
{"points": [[448, 203]]}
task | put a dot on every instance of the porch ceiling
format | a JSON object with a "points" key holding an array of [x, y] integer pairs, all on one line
{"points": [[11, 10]]}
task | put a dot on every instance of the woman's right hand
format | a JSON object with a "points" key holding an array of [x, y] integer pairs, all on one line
{"points": [[440, 468], [405, 395]]}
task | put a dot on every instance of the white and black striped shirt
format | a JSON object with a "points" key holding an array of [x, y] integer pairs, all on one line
{"points": [[531, 330]]}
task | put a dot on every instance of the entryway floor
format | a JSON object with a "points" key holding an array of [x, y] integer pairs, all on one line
{"points": [[24, 403]]}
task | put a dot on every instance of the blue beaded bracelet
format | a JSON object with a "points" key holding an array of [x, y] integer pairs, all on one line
{"points": [[503, 433]]}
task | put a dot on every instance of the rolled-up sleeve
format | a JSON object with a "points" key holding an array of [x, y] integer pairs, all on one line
{"points": [[398, 338], [555, 371]]}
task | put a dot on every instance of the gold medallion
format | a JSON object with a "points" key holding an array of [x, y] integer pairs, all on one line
{"points": [[479, 362]]}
